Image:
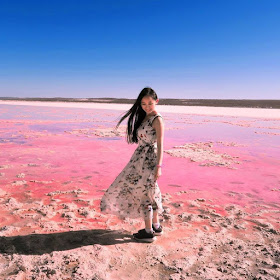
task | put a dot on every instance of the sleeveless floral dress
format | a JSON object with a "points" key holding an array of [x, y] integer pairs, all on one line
{"points": [[135, 187]]}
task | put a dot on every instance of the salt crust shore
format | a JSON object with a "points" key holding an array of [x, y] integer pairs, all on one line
{"points": [[192, 110], [199, 242]]}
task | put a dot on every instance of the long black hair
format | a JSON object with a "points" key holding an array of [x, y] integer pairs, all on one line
{"points": [[136, 115]]}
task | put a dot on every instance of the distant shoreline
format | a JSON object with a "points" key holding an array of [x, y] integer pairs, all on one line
{"points": [[235, 103], [260, 113]]}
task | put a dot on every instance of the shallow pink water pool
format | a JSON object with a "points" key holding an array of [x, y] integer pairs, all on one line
{"points": [[224, 159]]}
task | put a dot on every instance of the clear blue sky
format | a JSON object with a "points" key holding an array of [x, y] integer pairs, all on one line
{"points": [[183, 49]]}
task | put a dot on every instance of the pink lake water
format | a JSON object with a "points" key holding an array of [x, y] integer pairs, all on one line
{"points": [[47, 149]]}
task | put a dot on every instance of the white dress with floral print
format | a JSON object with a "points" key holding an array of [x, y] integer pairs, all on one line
{"points": [[135, 187]]}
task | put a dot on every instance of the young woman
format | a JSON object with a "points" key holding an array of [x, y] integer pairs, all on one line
{"points": [[135, 192]]}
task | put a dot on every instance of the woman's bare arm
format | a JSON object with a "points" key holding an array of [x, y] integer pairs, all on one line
{"points": [[158, 125]]}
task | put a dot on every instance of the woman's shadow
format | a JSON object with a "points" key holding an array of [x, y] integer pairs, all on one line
{"points": [[38, 244]]}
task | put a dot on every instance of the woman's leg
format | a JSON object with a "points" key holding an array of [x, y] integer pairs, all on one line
{"points": [[148, 217], [151, 218], [147, 234], [156, 224], [148, 223], [155, 217]]}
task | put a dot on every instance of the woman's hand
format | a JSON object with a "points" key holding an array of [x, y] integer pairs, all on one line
{"points": [[157, 172]]}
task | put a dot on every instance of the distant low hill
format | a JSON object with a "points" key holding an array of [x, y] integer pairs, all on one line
{"points": [[241, 103]]}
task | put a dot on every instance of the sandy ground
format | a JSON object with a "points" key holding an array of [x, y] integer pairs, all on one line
{"points": [[220, 185]]}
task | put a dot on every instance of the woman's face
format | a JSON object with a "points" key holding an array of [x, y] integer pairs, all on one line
{"points": [[148, 104]]}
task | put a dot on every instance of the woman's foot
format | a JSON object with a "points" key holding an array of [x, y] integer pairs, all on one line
{"points": [[158, 231], [144, 236]]}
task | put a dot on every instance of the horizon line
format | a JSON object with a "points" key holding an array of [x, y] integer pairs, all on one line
{"points": [[125, 98]]}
